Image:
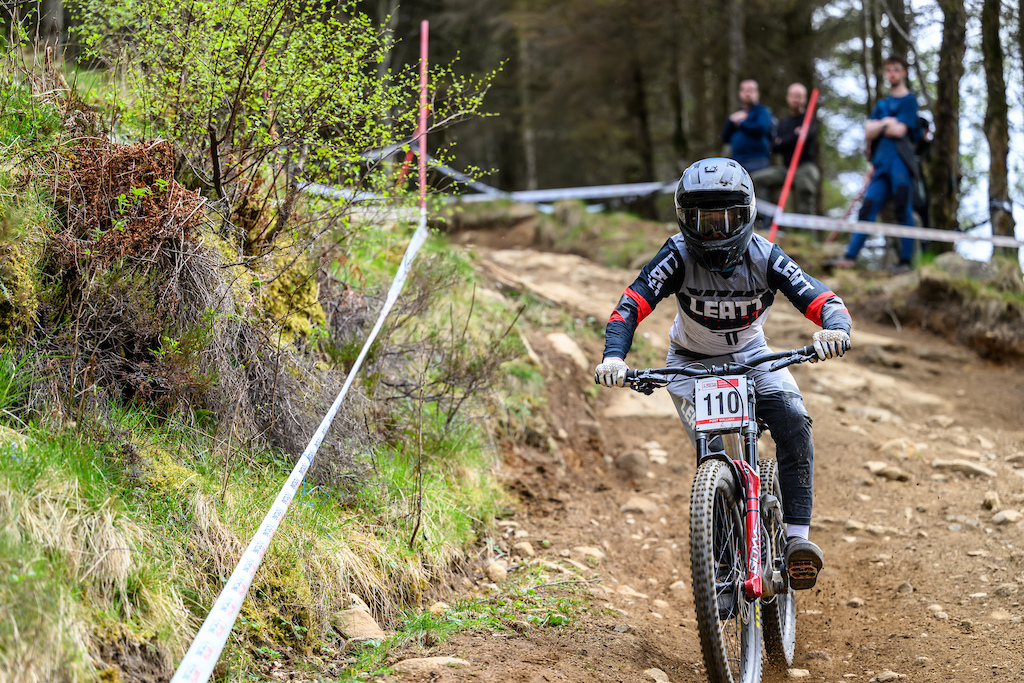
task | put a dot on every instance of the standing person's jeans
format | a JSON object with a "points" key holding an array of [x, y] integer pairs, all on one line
{"points": [[892, 180]]}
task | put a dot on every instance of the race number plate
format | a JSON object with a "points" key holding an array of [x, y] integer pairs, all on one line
{"points": [[720, 403]]}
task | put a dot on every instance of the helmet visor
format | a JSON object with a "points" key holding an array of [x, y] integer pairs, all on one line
{"points": [[712, 224]]}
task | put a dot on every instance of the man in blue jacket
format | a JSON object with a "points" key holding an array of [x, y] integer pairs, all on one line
{"points": [[891, 134], [748, 130]]}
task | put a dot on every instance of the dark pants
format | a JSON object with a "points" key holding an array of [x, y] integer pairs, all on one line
{"points": [[892, 180]]}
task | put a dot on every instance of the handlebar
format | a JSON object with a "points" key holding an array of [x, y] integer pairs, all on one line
{"points": [[645, 381]]}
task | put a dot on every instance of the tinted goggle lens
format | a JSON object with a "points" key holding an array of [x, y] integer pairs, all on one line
{"points": [[715, 224]]}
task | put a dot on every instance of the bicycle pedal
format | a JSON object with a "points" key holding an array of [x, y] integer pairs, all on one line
{"points": [[802, 574]]}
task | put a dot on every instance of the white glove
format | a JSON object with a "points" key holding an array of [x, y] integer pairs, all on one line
{"points": [[830, 343], [611, 372]]}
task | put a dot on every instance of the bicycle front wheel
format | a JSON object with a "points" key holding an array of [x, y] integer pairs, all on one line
{"points": [[728, 623], [779, 610]]}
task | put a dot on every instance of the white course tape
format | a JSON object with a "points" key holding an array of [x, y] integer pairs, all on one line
{"points": [[197, 664], [797, 220]]}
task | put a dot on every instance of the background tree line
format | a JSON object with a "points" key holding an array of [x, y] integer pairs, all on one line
{"points": [[616, 91]]}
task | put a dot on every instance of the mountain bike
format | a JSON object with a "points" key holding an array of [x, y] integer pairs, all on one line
{"points": [[744, 603]]}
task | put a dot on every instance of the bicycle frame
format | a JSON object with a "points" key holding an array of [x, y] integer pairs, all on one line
{"points": [[745, 471]]}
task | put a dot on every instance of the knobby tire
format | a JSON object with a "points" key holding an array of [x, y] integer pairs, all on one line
{"points": [[729, 624], [779, 611]]}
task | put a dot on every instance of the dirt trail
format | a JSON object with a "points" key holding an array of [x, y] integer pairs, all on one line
{"points": [[921, 578]]}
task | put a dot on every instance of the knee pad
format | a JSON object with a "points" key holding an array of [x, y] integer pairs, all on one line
{"points": [[785, 415], [865, 210]]}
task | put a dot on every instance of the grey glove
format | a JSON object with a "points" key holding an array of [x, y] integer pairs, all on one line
{"points": [[830, 343], [611, 372]]}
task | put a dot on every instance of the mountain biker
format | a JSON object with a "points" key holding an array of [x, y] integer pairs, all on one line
{"points": [[724, 278]]}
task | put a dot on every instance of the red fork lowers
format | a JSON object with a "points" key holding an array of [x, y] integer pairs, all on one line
{"points": [[753, 586]]}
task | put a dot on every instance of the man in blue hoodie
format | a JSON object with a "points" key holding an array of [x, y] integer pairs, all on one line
{"points": [[891, 133], [748, 130]]}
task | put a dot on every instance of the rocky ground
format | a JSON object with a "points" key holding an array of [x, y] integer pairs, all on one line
{"points": [[919, 492]]}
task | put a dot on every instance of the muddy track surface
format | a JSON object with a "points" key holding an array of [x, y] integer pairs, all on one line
{"points": [[919, 490]]}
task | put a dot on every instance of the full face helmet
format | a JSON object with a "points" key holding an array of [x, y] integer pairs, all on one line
{"points": [[715, 208]]}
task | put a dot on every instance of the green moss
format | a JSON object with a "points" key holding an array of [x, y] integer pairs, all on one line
{"points": [[292, 297], [163, 473], [18, 295]]}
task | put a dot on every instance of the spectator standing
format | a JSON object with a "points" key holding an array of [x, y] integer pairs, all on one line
{"points": [[890, 133], [748, 130], [808, 175]]}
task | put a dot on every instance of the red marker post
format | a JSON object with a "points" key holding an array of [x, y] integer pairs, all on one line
{"points": [[794, 162]]}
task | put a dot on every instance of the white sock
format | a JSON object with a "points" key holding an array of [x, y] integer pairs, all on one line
{"points": [[797, 530]]}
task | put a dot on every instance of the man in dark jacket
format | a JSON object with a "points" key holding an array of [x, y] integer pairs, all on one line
{"points": [[748, 130], [808, 175]]}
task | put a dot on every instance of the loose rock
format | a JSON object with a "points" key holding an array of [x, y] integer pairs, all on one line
{"points": [[991, 501], [633, 463], [971, 469], [798, 673], [641, 505], [677, 587], [438, 609], [524, 549], [855, 603], [1007, 517], [657, 675], [887, 676], [589, 553], [426, 664], [496, 571], [905, 588], [1005, 590], [355, 623], [943, 421]]}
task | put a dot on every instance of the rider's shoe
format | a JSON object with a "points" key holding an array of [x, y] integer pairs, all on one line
{"points": [[803, 561]]}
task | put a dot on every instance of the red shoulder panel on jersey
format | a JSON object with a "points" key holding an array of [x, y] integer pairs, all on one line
{"points": [[643, 307]]}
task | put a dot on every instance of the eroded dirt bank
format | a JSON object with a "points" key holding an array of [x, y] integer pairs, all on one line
{"points": [[919, 490]]}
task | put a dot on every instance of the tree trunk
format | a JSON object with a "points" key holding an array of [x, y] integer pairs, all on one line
{"points": [[865, 55], [526, 111], [680, 145], [996, 125], [898, 17], [875, 25], [737, 47], [51, 23], [944, 165]]}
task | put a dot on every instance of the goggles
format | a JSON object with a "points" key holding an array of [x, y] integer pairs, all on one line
{"points": [[717, 223]]}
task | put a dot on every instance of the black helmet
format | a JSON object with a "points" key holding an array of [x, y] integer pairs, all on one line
{"points": [[716, 210]]}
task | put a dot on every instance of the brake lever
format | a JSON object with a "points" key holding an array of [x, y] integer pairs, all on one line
{"points": [[785, 362]]}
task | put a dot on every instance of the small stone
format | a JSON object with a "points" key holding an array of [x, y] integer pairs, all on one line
{"points": [[854, 525], [657, 675], [905, 588], [650, 445], [978, 596], [633, 463], [496, 571], [427, 664], [934, 608], [1000, 615], [1007, 517], [624, 628], [677, 587], [798, 673], [630, 592], [991, 501], [874, 414], [887, 676], [639, 504], [899, 448], [660, 605], [524, 549], [971, 469], [589, 553], [921, 661], [356, 622], [855, 603], [438, 609], [943, 421], [1017, 460], [941, 616], [1005, 590], [819, 655]]}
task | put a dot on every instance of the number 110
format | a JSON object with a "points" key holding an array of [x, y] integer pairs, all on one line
{"points": [[730, 401]]}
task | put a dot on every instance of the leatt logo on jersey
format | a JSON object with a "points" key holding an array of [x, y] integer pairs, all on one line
{"points": [[660, 273], [726, 310], [791, 271]]}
